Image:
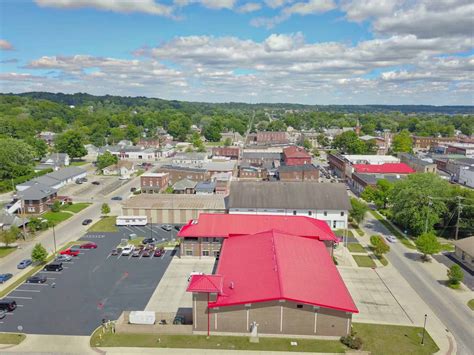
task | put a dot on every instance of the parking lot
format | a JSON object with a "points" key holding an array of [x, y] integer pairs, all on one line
{"points": [[93, 286]]}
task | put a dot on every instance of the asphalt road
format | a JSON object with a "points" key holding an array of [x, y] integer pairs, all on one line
{"points": [[94, 286], [454, 314], [66, 231]]}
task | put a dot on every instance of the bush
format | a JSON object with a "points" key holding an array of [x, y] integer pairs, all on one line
{"points": [[379, 246], [455, 275], [56, 206], [39, 253], [352, 342]]}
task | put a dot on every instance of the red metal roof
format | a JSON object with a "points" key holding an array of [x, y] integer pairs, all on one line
{"points": [[295, 152], [205, 283], [271, 266], [387, 168], [225, 225]]}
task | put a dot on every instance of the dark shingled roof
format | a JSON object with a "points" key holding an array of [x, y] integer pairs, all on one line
{"points": [[284, 195], [305, 167]]}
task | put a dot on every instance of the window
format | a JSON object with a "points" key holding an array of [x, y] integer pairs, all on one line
{"points": [[342, 214], [294, 213], [31, 209], [325, 214], [205, 253], [189, 252], [334, 224], [309, 213], [299, 306]]}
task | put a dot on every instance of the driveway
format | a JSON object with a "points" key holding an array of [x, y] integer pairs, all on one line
{"points": [[93, 286]]}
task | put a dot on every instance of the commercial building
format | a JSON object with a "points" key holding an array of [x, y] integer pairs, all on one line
{"points": [[252, 172], [419, 165], [342, 165], [231, 152], [263, 157], [307, 172], [205, 188], [359, 182], [190, 158], [466, 176], [466, 149], [295, 156], [184, 186], [325, 201], [154, 182], [272, 283], [426, 143], [267, 138], [177, 172], [172, 208], [204, 236], [386, 168], [56, 179]]}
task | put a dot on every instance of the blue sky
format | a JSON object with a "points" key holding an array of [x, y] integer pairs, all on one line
{"points": [[307, 51]]}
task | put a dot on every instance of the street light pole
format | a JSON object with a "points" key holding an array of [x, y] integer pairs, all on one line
{"points": [[54, 239], [423, 336]]}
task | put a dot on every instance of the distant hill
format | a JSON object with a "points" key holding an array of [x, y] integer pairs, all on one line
{"points": [[84, 98]]}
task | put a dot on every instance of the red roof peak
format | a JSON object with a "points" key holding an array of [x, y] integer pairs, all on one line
{"points": [[206, 283]]}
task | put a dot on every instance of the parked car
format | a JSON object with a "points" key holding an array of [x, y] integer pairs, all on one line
{"points": [[95, 182], [84, 179], [391, 238], [89, 245], [149, 240], [7, 305], [178, 228], [69, 251], [114, 252], [178, 320], [36, 279], [146, 253], [158, 252], [63, 258], [127, 250], [79, 181], [5, 277], [86, 222], [54, 266], [133, 189], [167, 227], [24, 264], [117, 198], [136, 253]]}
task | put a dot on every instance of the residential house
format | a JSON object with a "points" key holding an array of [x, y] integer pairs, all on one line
{"points": [[47, 137], [124, 168], [54, 161], [325, 201], [184, 186], [8, 220], [464, 252], [36, 198]]}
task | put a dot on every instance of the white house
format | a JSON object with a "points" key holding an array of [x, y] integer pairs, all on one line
{"points": [[124, 168], [325, 201]]}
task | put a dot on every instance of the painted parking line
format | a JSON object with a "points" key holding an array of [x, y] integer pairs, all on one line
{"points": [[23, 298], [18, 290], [50, 272], [19, 305], [50, 278], [35, 284]]}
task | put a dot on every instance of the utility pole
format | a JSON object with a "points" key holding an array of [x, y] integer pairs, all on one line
{"points": [[459, 217], [427, 214]]}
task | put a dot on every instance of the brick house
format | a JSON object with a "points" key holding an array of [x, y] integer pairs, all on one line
{"points": [[264, 138], [231, 152], [177, 173], [296, 156], [37, 198], [307, 172], [154, 182]]}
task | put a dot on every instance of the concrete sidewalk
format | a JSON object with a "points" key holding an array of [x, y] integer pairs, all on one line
{"points": [[51, 344]]}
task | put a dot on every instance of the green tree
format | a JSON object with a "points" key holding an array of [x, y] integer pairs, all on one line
{"points": [[402, 142], [56, 206], [412, 207], [427, 244], [132, 133], [227, 142], [212, 132], [10, 236], [39, 146], [359, 210], [72, 143], [16, 158], [380, 194], [276, 126], [197, 142], [39, 253], [105, 160], [323, 141], [379, 245], [105, 209], [307, 144], [455, 275], [179, 127], [349, 143]]}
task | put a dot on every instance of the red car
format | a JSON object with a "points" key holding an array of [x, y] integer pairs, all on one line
{"points": [[70, 251], [158, 252], [89, 245]]}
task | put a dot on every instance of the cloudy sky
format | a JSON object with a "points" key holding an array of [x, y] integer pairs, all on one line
{"points": [[302, 51]]}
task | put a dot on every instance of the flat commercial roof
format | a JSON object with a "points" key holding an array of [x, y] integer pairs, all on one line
{"points": [[386, 168], [272, 266], [176, 202]]}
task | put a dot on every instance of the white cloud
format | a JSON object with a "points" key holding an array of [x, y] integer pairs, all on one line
{"points": [[359, 10], [310, 7], [249, 7], [124, 6], [277, 3], [211, 4], [5, 45], [281, 42]]}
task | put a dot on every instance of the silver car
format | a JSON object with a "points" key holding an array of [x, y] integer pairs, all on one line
{"points": [[391, 238], [63, 258]]}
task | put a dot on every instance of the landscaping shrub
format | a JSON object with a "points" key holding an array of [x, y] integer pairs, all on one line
{"points": [[352, 342]]}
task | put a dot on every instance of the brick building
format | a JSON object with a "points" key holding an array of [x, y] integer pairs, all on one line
{"points": [[231, 152], [177, 173], [252, 172], [296, 156], [267, 138], [154, 182], [307, 172]]}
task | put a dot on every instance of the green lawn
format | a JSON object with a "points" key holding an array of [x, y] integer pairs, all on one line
{"points": [[4, 251], [106, 224], [382, 259], [136, 241], [447, 247], [404, 240], [76, 207], [356, 248], [11, 338], [363, 261], [215, 342], [471, 304], [78, 163], [340, 233], [360, 231], [57, 217], [392, 339]]}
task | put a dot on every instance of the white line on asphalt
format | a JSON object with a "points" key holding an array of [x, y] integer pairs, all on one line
{"points": [[35, 284], [22, 298], [19, 305], [51, 272], [9, 313], [1, 322], [65, 267], [26, 290], [50, 278]]}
